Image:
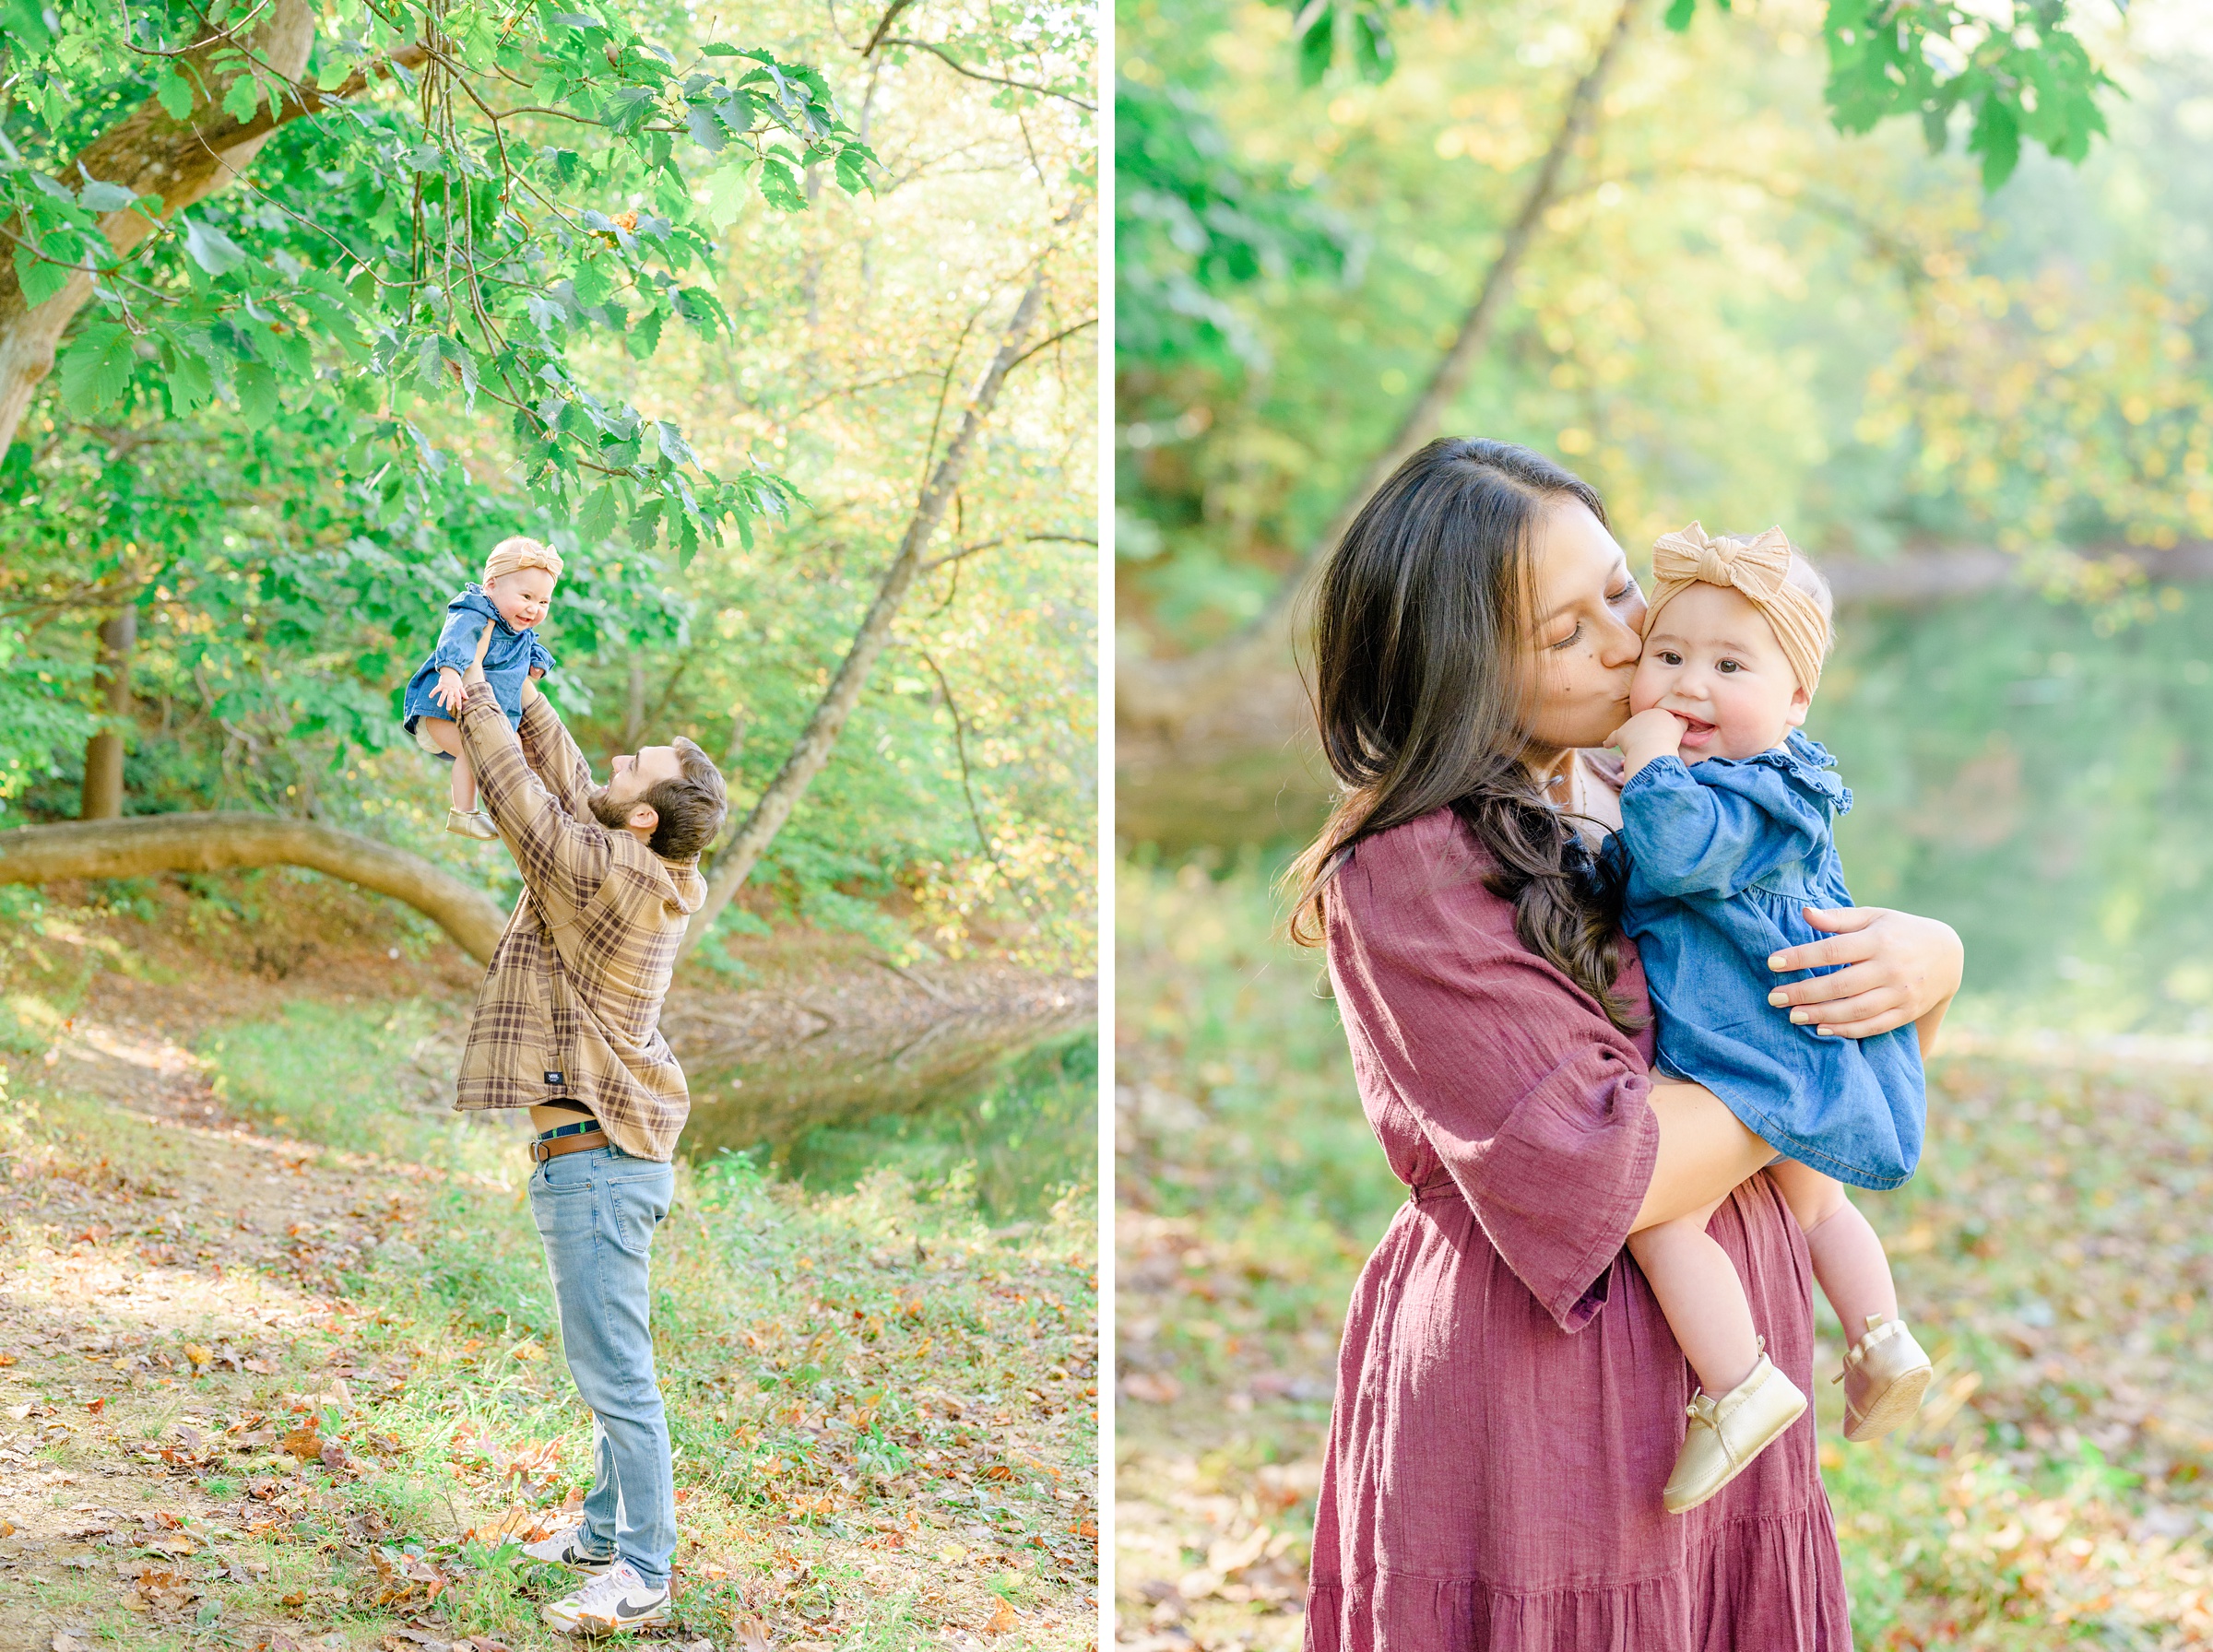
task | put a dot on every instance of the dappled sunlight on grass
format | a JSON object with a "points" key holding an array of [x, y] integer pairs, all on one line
{"points": [[322, 1346]]}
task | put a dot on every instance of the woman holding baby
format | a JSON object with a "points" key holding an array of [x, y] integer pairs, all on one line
{"points": [[1571, 1404]]}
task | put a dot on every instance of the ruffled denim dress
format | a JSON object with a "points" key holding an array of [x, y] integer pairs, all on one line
{"points": [[506, 663], [1717, 859]]}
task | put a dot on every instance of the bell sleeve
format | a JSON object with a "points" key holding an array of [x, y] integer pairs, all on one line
{"points": [[1534, 1103]]}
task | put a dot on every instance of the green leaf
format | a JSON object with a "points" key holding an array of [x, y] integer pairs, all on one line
{"points": [[25, 21], [1997, 139], [96, 369], [1678, 17], [646, 338], [39, 279], [258, 402], [780, 185], [726, 191], [210, 249], [705, 130], [173, 93], [191, 386], [242, 99], [97, 197], [596, 520]]}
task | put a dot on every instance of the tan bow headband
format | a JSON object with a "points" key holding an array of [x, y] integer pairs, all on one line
{"points": [[1758, 567], [511, 556]]}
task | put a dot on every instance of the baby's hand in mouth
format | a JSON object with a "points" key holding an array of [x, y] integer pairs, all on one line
{"points": [[1649, 734]]}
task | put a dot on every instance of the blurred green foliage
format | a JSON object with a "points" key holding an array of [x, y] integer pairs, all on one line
{"points": [[1732, 312]]}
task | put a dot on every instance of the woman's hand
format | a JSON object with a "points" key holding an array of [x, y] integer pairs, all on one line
{"points": [[1899, 969]]}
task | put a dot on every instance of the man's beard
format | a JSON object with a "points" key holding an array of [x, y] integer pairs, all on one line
{"points": [[615, 817]]}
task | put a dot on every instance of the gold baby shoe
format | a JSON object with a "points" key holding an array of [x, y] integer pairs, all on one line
{"points": [[476, 825], [1727, 1434], [1885, 1375]]}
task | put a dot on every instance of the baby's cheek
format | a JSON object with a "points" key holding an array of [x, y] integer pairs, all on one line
{"points": [[1646, 689]]}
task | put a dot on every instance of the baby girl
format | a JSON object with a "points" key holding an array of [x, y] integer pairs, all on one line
{"points": [[1727, 812], [493, 621]]}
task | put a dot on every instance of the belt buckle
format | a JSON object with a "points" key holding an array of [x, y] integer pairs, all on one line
{"points": [[540, 1151]]}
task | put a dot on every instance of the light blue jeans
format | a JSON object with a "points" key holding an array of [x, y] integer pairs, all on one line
{"points": [[597, 1213]]}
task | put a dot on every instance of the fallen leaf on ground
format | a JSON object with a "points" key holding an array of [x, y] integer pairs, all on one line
{"points": [[1002, 1619], [304, 1443], [1152, 1387]]}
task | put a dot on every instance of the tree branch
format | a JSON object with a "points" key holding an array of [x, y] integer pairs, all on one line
{"points": [[958, 67], [811, 751]]}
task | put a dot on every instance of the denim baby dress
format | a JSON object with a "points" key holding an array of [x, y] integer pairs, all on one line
{"points": [[507, 662], [1716, 859]]}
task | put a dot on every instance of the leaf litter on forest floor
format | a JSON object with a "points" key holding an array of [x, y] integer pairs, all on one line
{"points": [[344, 1393]]}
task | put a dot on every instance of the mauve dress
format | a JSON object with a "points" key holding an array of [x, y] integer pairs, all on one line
{"points": [[1510, 1398]]}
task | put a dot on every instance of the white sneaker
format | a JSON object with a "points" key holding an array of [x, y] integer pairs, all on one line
{"points": [[568, 1549], [613, 1602]]}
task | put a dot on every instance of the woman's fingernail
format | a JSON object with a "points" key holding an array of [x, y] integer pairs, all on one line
{"points": [[1779, 998], [1826, 1031], [1776, 963], [1800, 1017]]}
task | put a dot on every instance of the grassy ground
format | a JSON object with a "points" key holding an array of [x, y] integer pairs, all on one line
{"points": [[2053, 1253], [279, 1366]]}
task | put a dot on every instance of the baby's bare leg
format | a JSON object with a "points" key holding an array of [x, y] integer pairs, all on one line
{"points": [[1848, 1256], [447, 737], [1702, 1297]]}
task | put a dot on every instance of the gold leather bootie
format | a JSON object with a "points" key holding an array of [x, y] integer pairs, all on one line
{"points": [[476, 825], [1885, 1375], [1727, 1434]]}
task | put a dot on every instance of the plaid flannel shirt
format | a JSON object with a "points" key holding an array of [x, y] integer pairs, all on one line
{"points": [[571, 1004]]}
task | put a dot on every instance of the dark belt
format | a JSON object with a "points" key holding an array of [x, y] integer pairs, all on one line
{"points": [[1448, 1189], [542, 1148]]}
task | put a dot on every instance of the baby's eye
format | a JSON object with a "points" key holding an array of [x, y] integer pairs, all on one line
{"points": [[1726, 666], [1668, 656]]}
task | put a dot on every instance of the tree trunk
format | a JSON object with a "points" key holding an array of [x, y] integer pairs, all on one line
{"points": [[182, 161], [219, 842], [103, 753], [633, 710], [812, 749], [1164, 693]]}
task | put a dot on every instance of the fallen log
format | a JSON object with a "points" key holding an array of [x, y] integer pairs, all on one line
{"points": [[227, 840]]}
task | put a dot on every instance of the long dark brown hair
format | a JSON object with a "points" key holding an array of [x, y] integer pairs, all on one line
{"points": [[1421, 690]]}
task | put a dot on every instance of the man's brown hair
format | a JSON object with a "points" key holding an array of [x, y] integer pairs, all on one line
{"points": [[691, 806]]}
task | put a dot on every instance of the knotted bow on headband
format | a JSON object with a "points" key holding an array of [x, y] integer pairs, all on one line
{"points": [[1760, 568], [510, 555]]}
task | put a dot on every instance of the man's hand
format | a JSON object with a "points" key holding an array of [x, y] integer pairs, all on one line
{"points": [[449, 691], [1648, 734], [476, 666]]}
